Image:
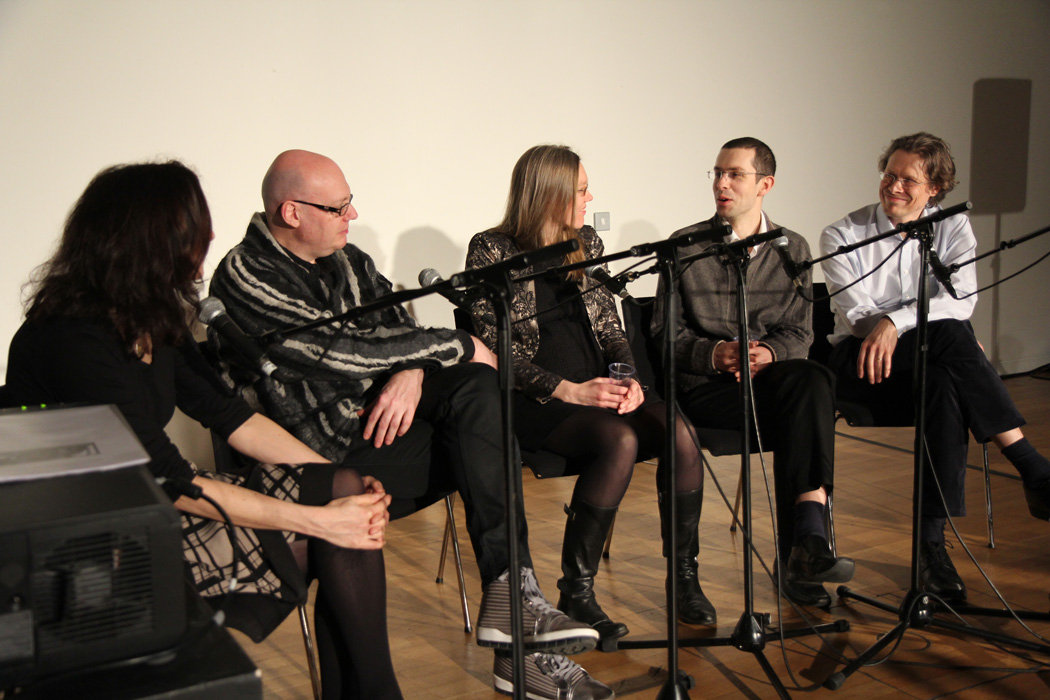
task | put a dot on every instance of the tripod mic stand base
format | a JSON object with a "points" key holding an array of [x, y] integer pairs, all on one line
{"points": [[677, 688], [749, 634], [916, 611]]}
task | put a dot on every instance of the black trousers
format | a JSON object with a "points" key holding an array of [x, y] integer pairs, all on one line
{"points": [[795, 404], [963, 392], [455, 442]]}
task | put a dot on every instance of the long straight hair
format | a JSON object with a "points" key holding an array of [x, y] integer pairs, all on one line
{"points": [[542, 192], [129, 254]]}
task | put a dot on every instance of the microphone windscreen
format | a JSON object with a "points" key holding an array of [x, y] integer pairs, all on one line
{"points": [[428, 277], [209, 309]]}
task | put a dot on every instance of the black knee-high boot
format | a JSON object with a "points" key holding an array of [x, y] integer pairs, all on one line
{"points": [[586, 528], [693, 606]]}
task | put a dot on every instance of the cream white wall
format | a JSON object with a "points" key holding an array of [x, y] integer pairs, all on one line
{"points": [[428, 104]]}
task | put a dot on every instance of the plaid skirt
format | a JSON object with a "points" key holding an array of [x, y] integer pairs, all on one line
{"points": [[269, 582]]}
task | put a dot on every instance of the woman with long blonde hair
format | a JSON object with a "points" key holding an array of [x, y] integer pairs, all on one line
{"points": [[566, 331]]}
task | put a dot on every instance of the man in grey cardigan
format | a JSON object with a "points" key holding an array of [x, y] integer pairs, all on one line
{"points": [[416, 407], [794, 397]]}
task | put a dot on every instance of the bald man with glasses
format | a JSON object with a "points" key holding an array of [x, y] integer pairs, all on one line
{"points": [[416, 407]]}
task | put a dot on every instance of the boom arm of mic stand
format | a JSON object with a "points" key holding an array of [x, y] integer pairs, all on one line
{"points": [[734, 248], [355, 313], [468, 278], [482, 275], [576, 266], [908, 227], [1005, 245]]}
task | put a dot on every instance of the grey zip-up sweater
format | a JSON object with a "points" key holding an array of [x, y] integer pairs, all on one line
{"points": [[707, 308]]}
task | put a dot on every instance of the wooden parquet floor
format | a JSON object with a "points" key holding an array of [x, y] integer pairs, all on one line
{"points": [[436, 659]]}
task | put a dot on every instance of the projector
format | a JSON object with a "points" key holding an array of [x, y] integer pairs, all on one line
{"points": [[90, 558]]}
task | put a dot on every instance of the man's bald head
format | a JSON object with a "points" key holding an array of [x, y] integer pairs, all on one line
{"points": [[299, 175], [307, 203]]}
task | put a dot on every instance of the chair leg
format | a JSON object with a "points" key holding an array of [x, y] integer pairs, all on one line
{"points": [[988, 497], [829, 515], [311, 654], [450, 534], [736, 505], [444, 547], [608, 539]]}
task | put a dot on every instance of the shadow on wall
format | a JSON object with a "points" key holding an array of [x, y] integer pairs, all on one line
{"points": [[367, 240], [630, 234], [416, 250], [999, 176]]}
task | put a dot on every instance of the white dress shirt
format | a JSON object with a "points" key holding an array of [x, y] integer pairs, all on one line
{"points": [[893, 289]]}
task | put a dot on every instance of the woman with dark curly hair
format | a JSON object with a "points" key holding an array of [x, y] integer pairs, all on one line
{"points": [[566, 331], [107, 322]]}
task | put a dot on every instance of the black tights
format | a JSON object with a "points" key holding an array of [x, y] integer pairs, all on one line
{"points": [[605, 447], [350, 612]]}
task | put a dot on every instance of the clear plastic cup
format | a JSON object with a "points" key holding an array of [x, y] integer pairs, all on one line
{"points": [[621, 373]]}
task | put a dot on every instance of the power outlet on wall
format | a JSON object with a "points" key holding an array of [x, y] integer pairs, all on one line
{"points": [[601, 221]]}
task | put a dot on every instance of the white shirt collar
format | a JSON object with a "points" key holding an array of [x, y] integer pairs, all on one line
{"points": [[763, 226]]}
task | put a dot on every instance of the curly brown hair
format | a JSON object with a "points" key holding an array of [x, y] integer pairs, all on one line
{"points": [[129, 255], [936, 157]]}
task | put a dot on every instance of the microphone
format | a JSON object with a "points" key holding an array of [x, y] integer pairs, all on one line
{"points": [[942, 273], [519, 261], [697, 233], [613, 284], [790, 267], [430, 277], [735, 247], [213, 314]]}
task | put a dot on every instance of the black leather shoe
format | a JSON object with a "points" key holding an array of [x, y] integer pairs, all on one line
{"points": [[1038, 498], [811, 561], [806, 594], [937, 574]]}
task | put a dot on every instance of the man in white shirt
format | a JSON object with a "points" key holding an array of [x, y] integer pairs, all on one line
{"points": [[874, 342]]}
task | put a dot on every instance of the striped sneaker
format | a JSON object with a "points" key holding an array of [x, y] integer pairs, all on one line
{"points": [[545, 627], [549, 677]]}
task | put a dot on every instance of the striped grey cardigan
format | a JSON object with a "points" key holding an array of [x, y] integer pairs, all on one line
{"points": [[331, 372]]}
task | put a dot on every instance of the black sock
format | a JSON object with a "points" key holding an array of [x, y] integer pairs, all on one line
{"points": [[932, 529], [1033, 467], [809, 520]]}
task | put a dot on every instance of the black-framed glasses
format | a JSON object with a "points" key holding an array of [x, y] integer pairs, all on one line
{"points": [[338, 211], [733, 175]]}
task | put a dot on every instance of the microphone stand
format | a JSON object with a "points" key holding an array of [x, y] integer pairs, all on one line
{"points": [[749, 634], [638, 251], [492, 282], [1005, 245], [953, 268], [905, 228], [917, 608]]}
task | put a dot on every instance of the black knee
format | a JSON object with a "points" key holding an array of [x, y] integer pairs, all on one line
{"points": [[468, 382], [347, 482], [805, 378]]}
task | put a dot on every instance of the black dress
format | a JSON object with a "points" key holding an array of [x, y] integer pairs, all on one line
{"points": [[66, 360], [568, 348]]}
